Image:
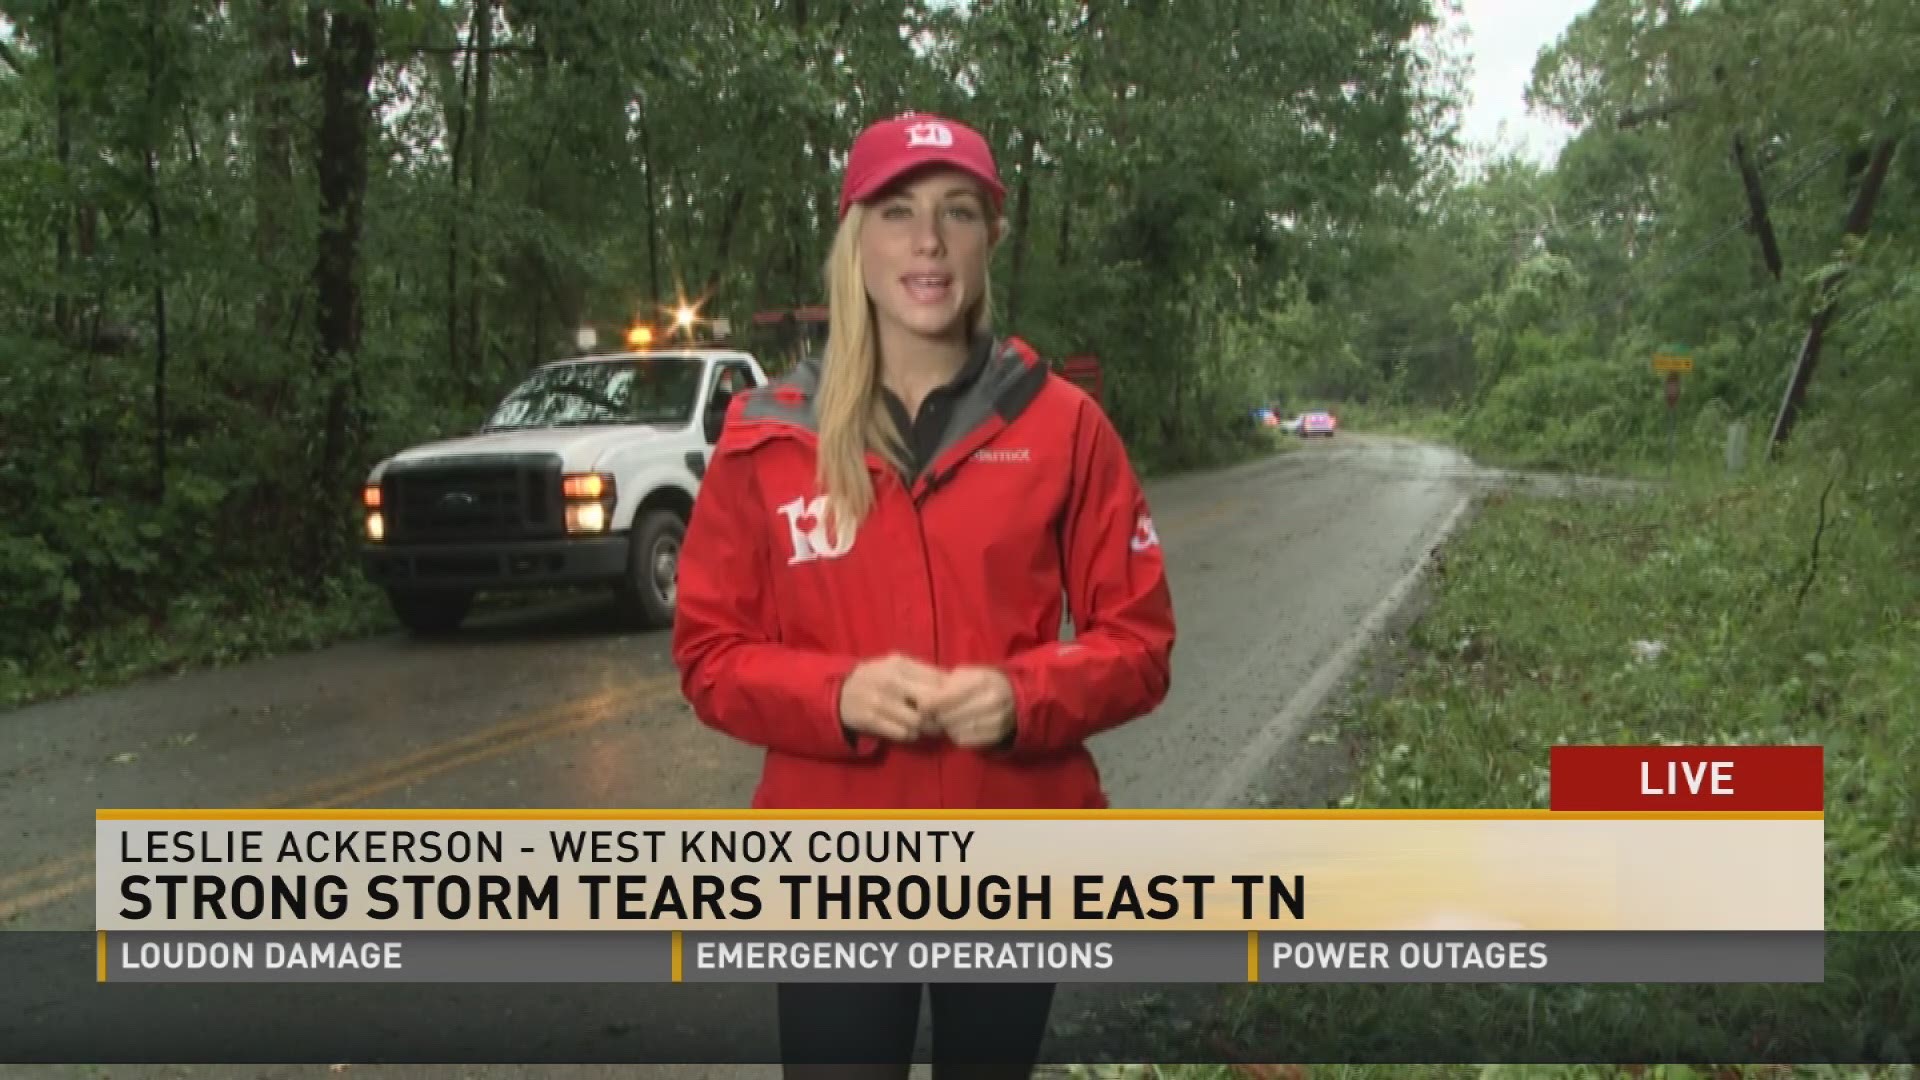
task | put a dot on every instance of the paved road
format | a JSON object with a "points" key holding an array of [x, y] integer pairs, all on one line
{"points": [[1275, 564]]}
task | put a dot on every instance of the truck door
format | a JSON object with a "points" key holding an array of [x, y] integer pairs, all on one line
{"points": [[728, 377]]}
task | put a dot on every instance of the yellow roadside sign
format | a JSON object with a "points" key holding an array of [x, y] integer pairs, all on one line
{"points": [[1672, 363]]}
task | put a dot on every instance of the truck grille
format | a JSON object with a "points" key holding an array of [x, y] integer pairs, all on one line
{"points": [[451, 501]]}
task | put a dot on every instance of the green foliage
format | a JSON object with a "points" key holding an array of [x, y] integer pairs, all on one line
{"points": [[1560, 411], [1714, 574], [245, 620], [590, 163], [1773, 603], [1700, 617], [183, 416]]}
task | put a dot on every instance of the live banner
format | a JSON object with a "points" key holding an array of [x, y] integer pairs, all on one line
{"points": [[1693, 896]]}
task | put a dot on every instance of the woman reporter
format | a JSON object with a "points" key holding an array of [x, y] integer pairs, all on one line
{"points": [[870, 586]]}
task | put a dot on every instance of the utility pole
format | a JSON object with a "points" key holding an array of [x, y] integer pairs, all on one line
{"points": [[1757, 218], [1858, 219]]}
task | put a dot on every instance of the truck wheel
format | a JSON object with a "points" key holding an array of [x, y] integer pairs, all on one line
{"points": [[653, 566], [431, 612]]}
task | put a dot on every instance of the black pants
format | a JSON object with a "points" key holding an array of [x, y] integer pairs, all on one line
{"points": [[979, 1029]]}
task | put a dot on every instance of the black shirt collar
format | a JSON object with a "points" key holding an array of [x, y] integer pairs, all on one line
{"points": [[925, 431], [978, 353]]}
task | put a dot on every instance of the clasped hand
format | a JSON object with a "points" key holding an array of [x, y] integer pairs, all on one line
{"points": [[899, 698]]}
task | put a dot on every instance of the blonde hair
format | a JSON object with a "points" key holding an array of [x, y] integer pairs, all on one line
{"points": [[851, 414]]}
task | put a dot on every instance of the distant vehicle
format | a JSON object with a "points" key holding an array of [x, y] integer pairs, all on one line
{"points": [[1290, 426], [584, 475], [1317, 424]]}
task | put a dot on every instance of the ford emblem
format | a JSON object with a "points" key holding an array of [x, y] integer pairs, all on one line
{"points": [[458, 498]]}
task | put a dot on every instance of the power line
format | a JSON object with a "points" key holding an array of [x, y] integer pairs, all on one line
{"points": [[1834, 150], [1726, 234], [1671, 268], [1561, 229]]}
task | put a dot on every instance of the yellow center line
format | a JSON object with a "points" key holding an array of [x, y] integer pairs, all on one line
{"points": [[479, 754], [603, 703], [365, 783], [39, 898], [423, 764], [50, 869]]}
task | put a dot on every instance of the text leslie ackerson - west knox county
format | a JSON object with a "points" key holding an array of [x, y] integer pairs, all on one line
{"points": [[681, 895]]}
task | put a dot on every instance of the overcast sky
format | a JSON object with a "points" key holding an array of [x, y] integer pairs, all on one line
{"points": [[1503, 38]]}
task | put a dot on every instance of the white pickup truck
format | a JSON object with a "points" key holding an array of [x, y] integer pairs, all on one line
{"points": [[584, 475]]}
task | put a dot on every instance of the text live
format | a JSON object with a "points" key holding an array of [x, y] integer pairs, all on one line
{"points": [[1688, 778]]}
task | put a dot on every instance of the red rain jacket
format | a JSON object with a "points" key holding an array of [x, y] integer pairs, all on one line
{"points": [[1031, 495]]}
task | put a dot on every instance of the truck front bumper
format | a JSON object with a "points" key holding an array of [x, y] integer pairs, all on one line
{"points": [[592, 560]]}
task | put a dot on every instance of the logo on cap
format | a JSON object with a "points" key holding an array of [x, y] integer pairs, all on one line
{"points": [[928, 133]]}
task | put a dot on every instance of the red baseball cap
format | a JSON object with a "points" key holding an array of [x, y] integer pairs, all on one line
{"points": [[887, 150]]}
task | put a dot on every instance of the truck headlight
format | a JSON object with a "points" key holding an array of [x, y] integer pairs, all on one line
{"points": [[590, 499], [376, 521], [589, 485]]}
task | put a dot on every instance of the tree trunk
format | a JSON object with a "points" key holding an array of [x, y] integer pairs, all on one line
{"points": [[821, 203], [1023, 217], [457, 155], [63, 150], [1858, 220], [1757, 217], [1064, 255], [155, 235], [347, 66], [679, 259], [724, 244], [476, 186], [537, 328], [653, 209], [271, 23]]}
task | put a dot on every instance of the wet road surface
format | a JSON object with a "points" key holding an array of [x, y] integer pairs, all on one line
{"points": [[1274, 564]]}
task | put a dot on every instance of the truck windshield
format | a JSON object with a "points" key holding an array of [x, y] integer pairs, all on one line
{"points": [[657, 390]]}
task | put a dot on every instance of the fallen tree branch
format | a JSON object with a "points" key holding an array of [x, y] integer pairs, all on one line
{"points": [[1813, 557]]}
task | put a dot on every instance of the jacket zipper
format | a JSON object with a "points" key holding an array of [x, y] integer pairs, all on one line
{"points": [[932, 482], [933, 603], [926, 559]]}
